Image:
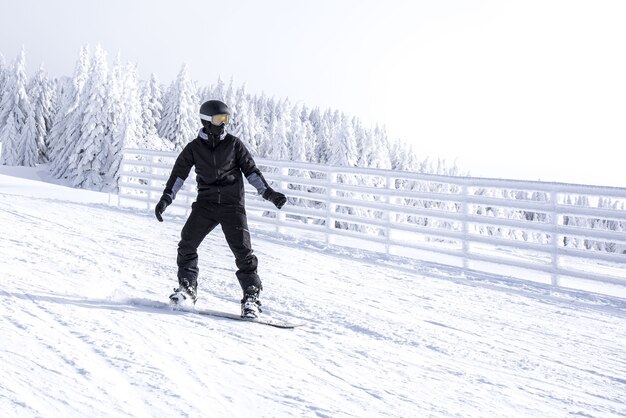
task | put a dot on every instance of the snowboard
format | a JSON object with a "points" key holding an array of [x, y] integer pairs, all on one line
{"points": [[187, 308], [262, 320], [183, 305]]}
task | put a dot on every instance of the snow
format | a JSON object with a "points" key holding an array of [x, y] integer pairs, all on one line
{"points": [[85, 330]]}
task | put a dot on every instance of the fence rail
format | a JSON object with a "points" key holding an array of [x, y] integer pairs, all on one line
{"points": [[570, 235]]}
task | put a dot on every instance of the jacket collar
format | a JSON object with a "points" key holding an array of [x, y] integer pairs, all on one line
{"points": [[204, 136]]}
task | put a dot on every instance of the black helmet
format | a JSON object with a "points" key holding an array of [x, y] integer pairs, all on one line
{"points": [[213, 108]]}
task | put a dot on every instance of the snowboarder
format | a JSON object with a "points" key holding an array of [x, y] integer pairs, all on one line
{"points": [[220, 159]]}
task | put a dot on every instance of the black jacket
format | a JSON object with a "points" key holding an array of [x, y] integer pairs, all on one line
{"points": [[219, 166]]}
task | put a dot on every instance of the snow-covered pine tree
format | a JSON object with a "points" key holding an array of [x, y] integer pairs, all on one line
{"points": [[27, 141], [9, 136], [237, 126], [50, 96], [256, 131], [3, 80], [42, 94], [366, 149], [362, 149], [344, 150], [116, 101], [315, 117], [168, 112], [218, 91], [88, 164], [128, 129], [298, 137], [134, 119], [180, 111], [299, 150], [7, 99], [310, 141], [344, 154], [16, 105], [403, 158], [323, 150], [263, 118], [277, 147], [244, 123], [205, 93], [305, 112], [62, 89], [230, 98], [65, 132], [380, 154], [131, 120], [55, 85], [152, 106]]}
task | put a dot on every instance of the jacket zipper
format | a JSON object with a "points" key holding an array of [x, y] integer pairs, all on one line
{"points": [[219, 196]]}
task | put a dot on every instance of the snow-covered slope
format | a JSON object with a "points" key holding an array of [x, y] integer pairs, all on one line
{"points": [[84, 329]]}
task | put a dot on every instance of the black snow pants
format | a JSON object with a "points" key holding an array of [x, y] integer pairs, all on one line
{"points": [[204, 217]]}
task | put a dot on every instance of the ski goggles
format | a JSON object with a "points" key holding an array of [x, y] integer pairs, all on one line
{"points": [[217, 120]]}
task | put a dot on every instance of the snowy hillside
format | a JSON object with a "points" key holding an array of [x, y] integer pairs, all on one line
{"points": [[84, 329]]}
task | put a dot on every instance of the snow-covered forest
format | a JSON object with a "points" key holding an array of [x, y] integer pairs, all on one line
{"points": [[80, 124]]}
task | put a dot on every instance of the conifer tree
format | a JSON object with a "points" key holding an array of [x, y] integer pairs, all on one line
{"points": [[127, 130], [88, 164], [131, 123], [27, 140], [180, 111], [16, 106], [117, 103], [262, 137], [218, 91], [3, 80], [41, 94], [298, 138], [237, 126], [279, 134], [344, 151], [152, 106], [230, 98], [380, 154], [244, 123], [324, 138], [256, 131], [278, 139], [66, 132], [9, 136]]}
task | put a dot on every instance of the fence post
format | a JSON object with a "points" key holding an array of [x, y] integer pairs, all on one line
{"points": [[122, 177], [151, 183], [389, 215], [281, 217], [465, 224], [331, 178], [554, 239]]}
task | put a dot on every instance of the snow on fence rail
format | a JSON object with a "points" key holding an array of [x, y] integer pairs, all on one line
{"points": [[564, 234]]}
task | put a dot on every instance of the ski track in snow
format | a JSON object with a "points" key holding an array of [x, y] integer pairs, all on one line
{"points": [[85, 330]]}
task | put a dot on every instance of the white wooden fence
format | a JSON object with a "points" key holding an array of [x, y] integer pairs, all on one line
{"points": [[530, 230]]}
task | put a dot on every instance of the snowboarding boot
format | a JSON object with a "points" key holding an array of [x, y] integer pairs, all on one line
{"points": [[250, 304], [185, 291]]}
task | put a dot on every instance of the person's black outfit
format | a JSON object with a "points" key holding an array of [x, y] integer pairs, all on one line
{"points": [[220, 159]]}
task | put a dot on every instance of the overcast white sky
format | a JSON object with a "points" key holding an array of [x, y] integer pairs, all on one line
{"points": [[515, 89]]}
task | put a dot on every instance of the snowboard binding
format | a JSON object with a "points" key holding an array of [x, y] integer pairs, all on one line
{"points": [[250, 304], [185, 291]]}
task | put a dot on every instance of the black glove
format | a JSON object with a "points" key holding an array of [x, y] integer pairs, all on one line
{"points": [[278, 199], [160, 207]]}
